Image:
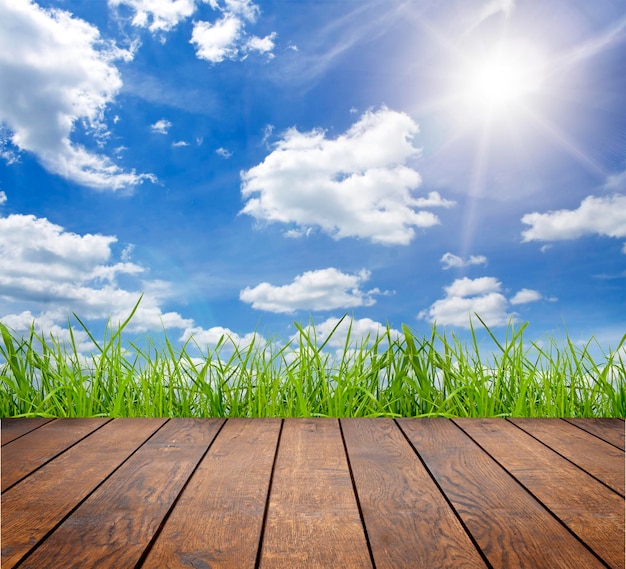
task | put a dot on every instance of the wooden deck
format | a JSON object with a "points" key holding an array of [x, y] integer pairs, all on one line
{"points": [[301, 493]]}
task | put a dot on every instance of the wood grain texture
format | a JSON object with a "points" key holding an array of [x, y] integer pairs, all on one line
{"points": [[313, 519], [610, 430], [217, 521], [591, 510], [510, 526], [11, 429], [598, 458], [408, 521], [56, 488], [24, 455], [115, 525]]}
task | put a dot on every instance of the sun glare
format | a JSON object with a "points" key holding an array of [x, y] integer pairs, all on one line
{"points": [[501, 78]]}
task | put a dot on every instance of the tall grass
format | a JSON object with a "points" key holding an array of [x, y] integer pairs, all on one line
{"points": [[388, 375]]}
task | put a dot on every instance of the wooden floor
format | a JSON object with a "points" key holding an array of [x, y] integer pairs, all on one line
{"points": [[300, 493]]}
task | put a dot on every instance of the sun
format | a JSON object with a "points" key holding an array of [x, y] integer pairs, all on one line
{"points": [[501, 78]]}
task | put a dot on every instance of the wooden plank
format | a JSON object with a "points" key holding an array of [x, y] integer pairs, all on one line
{"points": [[510, 526], [313, 519], [217, 521], [598, 458], [24, 455], [610, 430], [36, 505], [591, 510], [408, 521], [12, 429], [115, 525]]}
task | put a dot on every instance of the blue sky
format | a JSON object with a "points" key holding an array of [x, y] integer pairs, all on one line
{"points": [[245, 165]]}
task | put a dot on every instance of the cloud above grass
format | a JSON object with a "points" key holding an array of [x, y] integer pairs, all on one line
{"points": [[49, 272], [58, 75], [466, 297], [355, 185], [483, 296], [324, 289], [605, 216]]}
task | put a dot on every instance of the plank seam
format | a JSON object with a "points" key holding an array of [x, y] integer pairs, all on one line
{"points": [[356, 495], [568, 460], [27, 432], [445, 497], [71, 512], [593, 434], [530, 493], [56, 455], [159, 530], [257, 561]]}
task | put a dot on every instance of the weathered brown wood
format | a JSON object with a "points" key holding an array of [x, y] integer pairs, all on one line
{"points": [[24, 455], [217, 521], [115, 525], [11, 429], [510, 526], [611, 430], [591, 510], [313, 519], [56, 488], [598, 458], [408, 521]]}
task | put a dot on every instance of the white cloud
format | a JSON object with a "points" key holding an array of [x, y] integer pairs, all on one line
{"points": [[262, 45], [624, 249], [157, 15], [217, 42], [595, 215], [450, 260], [224, 153], [324, 289], [3, 198], [162, 126], [180, 144], [465, 297], [226, 38], [473, 287], [360, 329], [525, 296], [45, 269], [356, 185], [57, 74]]}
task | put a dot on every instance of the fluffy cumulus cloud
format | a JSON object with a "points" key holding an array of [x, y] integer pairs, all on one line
{"points": [[596, 215], [226, 37], [356, 185], [50, 272], [466, 297], [482, 296], [525, 296], [57, 74], [157, 15], [325, 289], [449, 261]]}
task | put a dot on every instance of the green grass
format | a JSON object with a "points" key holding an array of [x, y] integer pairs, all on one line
{"points": [[388, 375]]}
